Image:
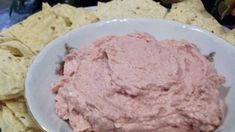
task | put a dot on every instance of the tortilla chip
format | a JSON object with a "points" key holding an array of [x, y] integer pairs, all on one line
{"points": [[1, 120], [46, 6], [12, 72], [41, 28], [1, 35], [230, 36], [10, 123], [193, 12], [4, 38], [130, 8], [77, 16], [16, 46], [38, 30], [21, 113], [33, 130]]}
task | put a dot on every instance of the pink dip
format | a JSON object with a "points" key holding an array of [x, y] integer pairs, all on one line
{"points": [[134, 83]]}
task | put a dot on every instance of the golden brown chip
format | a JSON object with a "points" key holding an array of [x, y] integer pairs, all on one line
{"points": [[41, 28], [130, 8], [193, 12], [10, 123]]}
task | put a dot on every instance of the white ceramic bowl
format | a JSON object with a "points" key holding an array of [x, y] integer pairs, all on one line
{"points": [[41, 74]]}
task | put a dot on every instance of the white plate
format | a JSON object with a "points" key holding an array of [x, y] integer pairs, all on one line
{"points": [[41, 74]]}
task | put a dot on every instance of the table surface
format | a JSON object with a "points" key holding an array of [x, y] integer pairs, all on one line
{"points": [[5, 19]]}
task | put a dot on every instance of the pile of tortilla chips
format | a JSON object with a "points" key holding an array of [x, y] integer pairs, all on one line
{"points": [[22, 42], [18, 46]]}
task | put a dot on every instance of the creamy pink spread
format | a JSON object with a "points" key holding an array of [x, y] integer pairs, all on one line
{"points": [[135, 83]]}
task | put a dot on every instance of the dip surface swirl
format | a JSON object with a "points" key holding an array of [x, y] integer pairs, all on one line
{"points": [[135, 83]]}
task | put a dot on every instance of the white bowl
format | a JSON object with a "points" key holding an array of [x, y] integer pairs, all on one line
{"points": [[41, 74]]}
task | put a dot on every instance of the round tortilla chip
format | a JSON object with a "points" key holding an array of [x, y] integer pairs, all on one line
{"points": [[10, 123]]}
